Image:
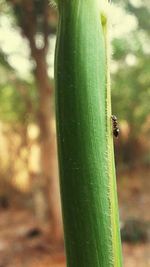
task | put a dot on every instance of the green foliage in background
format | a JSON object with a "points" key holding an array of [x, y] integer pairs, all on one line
{"points": [[131, 80], [18, 98], [18, 106]]}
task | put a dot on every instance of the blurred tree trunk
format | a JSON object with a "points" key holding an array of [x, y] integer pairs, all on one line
{"points": [[49, 167], [33, 18]]}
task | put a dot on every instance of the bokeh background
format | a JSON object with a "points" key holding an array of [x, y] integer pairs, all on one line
{"points": [[30, 218]]}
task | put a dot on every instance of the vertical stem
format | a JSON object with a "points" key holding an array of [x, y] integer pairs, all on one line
{"points": [[85, 144]]}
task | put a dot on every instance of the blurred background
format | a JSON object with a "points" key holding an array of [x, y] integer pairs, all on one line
{"points": [[30, 218]]}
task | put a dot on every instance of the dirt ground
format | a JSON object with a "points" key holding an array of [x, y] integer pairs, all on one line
{"points": [[23, 243]]}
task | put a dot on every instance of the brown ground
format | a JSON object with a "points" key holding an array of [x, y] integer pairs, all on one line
{"points": [[20, 246]]}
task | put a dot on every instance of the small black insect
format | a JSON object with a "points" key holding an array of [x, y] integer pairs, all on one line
{"points": [[115, 126]]}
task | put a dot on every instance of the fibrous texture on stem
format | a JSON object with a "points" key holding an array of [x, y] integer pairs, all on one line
{"points": [[85, 142]]}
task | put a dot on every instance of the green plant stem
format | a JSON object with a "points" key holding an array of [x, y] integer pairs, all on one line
{"points": [[85, 142]]}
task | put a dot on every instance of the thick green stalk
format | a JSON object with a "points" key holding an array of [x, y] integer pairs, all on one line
{"points": [[85, 141]]}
